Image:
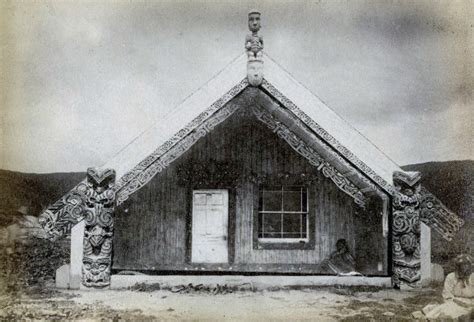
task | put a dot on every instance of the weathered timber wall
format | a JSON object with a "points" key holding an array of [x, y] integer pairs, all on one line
{"points": [[333, 216], [153, 226]]}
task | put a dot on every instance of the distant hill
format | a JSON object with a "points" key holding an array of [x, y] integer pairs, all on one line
{"points": [[452, 183], [33, 192]]}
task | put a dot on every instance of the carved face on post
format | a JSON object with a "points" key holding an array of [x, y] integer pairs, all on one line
{"points": [[100, 181], [255, 72], [98, 215], [405, 189], [406, 228], [407, 183], [96, 271], [409, 243], [254, 21], [96, 236]]}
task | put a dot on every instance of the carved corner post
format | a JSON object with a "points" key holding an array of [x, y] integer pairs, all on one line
{"points": [[406, 229], [254, 49], [99, 224]]}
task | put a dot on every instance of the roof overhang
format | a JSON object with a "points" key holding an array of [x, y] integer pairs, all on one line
{"points": [[353, 155]]}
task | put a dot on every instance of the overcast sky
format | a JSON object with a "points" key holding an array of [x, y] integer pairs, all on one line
{"points": [[80, 80]]}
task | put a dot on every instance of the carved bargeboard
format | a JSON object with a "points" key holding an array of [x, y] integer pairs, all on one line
{"points": [[178, 144], [61, 216], [406, 228], [99, 222], [312, 156], [438, 216], [308, 121], [175, 152]]}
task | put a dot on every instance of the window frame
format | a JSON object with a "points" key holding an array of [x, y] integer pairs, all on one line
{"points": [[284, 243]]}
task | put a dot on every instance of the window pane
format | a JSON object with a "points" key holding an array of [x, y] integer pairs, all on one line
{"points": [[292, 201], [272, 225], [292, 224], [279, 217], [271, 201]]}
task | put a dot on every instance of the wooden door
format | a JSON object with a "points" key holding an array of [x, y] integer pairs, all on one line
{"points": [[209, 232]]}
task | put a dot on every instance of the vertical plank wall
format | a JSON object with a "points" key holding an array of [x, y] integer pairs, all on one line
{"points": [[151, 231]]}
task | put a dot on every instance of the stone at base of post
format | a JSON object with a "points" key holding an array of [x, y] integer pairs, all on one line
{"points": [[69, 276], [77, 244], [62, 278], [425, 255]]}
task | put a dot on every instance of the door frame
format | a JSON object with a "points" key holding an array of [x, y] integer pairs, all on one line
{"points": [[231, 220], [231, 213]]}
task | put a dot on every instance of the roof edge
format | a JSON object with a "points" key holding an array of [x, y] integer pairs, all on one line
{"points": [[207, 102]]}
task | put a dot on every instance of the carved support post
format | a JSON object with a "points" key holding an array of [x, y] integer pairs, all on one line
{"points": [[99, 223], [406, 228]]}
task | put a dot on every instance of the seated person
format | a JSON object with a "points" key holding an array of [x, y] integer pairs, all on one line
{"points": [[340, 261], [459, 285], [458, 293]]}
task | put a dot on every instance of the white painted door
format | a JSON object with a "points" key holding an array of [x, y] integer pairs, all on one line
{"points": [[209, 233]]}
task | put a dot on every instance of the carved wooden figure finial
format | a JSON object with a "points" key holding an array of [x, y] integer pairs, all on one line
{"points": [[254, 42], [254, 49]]}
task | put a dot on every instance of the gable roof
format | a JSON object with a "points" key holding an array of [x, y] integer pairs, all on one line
{"points": [[165, 141], [207, 99], [223, 87], [328, 124]]}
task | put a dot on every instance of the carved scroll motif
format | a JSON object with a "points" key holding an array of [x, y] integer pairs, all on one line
{"points": [[406, 228], [58, 219], [61, 216], [99, 223], [433, 212], [287, 103], [163, 160], [129, 177], [437, 216], [333, 155], [312, 156]]}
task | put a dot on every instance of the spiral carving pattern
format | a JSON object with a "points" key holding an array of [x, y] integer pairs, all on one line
{"points": [[406, 230], [98, 214]]}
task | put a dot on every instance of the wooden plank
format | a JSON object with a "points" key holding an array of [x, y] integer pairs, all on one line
{"points": [[260, 268], [156, 230]]}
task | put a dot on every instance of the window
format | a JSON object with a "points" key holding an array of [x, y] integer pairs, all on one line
{"points": [[283, 214]]}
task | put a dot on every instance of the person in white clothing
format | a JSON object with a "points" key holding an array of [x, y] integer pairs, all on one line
{"points": [[458, 294]]}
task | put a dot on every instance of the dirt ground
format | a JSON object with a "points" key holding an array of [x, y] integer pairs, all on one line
{"points": [[322, 304], [27, 292]]}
